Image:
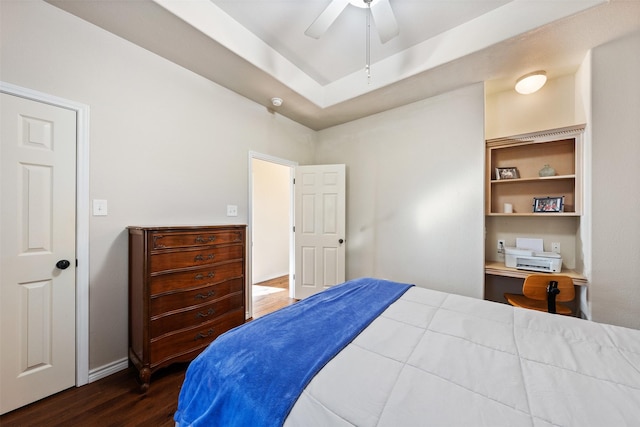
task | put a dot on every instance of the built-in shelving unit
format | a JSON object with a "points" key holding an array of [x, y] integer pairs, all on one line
{"points": [[561, 149], [528, 153]]}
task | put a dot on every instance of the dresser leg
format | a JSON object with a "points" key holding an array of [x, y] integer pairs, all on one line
{"points": [[145, 379]]}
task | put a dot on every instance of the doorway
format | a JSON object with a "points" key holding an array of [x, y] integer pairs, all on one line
{"points": [[270, 229]]}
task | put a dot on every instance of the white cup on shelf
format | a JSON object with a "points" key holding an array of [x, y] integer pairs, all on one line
{"points": [[508, 208]]}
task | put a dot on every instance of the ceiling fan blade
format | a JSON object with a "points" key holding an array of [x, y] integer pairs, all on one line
{"points": [[385, 20], [326, 18]]}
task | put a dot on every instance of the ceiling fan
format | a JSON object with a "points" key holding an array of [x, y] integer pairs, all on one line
{"points": [[380, 10]]}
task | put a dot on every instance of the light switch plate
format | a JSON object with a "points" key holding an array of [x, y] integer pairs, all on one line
{"points": [[99, 207]]}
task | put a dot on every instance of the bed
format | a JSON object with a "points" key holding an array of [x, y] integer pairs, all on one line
{"points": [[373, 352]]}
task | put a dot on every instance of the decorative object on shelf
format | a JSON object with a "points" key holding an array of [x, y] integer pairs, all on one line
{"points": [[547, 171], [507, 173], [508, 208], [548, 204]]}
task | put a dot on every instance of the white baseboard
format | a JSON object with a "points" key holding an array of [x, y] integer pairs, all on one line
{"points": [[109, 369]]}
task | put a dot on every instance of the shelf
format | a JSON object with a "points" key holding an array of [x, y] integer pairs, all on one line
{"points": [[534, 179], [538, 215], [499, 269]]}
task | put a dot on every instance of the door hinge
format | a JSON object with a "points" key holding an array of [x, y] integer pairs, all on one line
{"points": [[294, 228], [76, 262]]}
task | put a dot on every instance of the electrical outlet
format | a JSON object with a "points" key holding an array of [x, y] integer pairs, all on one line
{"points": [[500, 246], [100, 208], [232, 210], [555, 247]]}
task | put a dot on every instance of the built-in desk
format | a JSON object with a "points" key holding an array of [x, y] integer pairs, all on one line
{"points": [[497, 268], [500, 279]]}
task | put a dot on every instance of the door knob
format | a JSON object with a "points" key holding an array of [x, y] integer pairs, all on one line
{"points": [[63, 264], [341, 241]]}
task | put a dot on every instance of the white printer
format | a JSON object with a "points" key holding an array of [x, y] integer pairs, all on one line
{"points": [[527, 259]]}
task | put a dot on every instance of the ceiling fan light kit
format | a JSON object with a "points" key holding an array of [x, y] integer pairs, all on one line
{"points": [[363, 3], [380, 10], [382, 15], [532, 82]]}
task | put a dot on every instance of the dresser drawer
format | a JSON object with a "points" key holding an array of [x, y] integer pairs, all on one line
{"points": [[162, 240], [196, 315], [181, 300], [172, 282], [173, 345], [172, 260]]}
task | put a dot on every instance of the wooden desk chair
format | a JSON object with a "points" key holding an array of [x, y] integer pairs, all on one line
{"points": [[544, 292]]}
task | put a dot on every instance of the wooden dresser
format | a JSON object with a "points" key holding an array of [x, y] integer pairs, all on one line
{"points": [[186, 287]]}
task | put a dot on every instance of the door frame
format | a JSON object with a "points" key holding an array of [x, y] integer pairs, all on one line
{"points": [[291, 165], [82, 217]]}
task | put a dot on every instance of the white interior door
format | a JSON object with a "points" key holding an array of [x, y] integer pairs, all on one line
{"points": [[37, 224], [320, 209]]}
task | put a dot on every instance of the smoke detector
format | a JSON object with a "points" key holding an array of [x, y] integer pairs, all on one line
{"points": [[276, 102]]}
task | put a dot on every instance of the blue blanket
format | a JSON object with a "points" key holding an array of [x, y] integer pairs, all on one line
{"points": [[253, 374]]}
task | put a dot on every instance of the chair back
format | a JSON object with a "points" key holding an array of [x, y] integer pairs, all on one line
{"points": [[535, 287]]}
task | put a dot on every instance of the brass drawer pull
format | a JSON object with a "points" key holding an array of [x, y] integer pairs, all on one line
{"points": [[201, 257], [205, 296], [201, 336], [156, 242], [201, 239], [210, 312], [201, 276]]}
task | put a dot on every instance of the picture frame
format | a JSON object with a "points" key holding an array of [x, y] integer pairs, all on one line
{"points": [[548, 204], [507, 173]]}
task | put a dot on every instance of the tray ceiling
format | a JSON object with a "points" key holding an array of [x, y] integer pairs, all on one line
{"points": [[258, 48]]}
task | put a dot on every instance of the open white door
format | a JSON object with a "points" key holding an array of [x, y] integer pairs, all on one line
{"points": [[38, 263], [320, 208]]}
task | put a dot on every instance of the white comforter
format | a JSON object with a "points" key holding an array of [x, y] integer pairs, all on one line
{"points": [[434, 359]]}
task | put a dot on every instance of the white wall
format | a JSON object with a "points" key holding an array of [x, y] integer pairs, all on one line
{"points": [[415, 191], [167, 146], [510, 113], [615, 282], [271, 207]]}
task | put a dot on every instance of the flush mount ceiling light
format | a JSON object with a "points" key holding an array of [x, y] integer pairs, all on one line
{"points": [[530, 83]]}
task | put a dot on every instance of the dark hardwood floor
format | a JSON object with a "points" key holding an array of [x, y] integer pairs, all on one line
{"points": [[116, 400], [271, 302]]}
